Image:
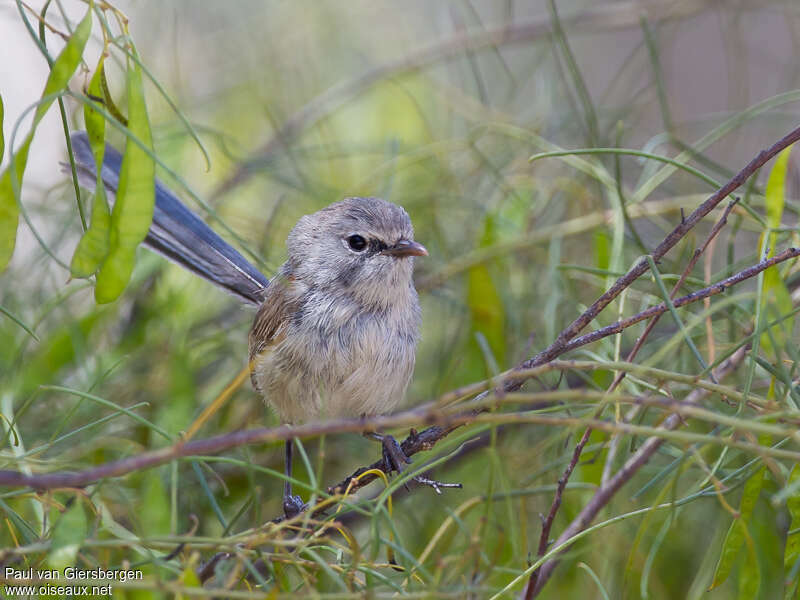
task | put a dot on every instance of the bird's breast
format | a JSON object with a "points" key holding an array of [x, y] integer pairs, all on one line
{"points": [[337, 358]]}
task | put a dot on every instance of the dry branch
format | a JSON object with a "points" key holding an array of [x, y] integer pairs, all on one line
{"points": [[441, 422], [559, 346]]}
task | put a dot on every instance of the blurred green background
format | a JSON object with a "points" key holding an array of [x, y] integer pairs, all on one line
{"points": [[436, 106]]}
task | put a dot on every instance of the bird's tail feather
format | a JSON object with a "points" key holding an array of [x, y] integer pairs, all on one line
{"points": [[176, 232]]}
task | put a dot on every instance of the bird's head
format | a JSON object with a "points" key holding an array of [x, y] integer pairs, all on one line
{"points": [[362, 247]]}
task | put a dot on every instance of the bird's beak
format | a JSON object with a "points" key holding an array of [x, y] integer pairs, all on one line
{"points": [[406, 248]]}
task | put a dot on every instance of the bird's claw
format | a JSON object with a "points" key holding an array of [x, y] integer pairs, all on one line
{"points": [[293, 506], [394, 460], [393, 455]]}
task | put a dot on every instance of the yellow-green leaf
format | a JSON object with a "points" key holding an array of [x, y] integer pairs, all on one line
{"points": [[737, 533], [775, 294], [602, 249], [11, 180], [68, 534], [189, 578], [94, 245], [752, 490], [65, 64], [95, 122], [9, 210], [791, 553], [775, 193], [750, 573], [154, 512], [133, 208], [108, 100], [485, 304]]}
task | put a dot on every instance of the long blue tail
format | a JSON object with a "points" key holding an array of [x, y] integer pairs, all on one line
{"points": [[177, 233]]}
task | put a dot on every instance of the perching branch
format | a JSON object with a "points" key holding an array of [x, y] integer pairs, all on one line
{"points": [[427, 438], [443, 420]]}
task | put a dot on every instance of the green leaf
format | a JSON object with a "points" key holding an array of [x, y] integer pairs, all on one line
{"points": [[93, 247], [750, 573], [775, 193], [60, 73], [108, 100], [154, 513], [791, 553], [133, 208], [737, 533], [485, 304], [602, 249], [752, 490], [65, 64], [94, 120], [68, 534], [189, 578], [776, 295], [9, 210]]}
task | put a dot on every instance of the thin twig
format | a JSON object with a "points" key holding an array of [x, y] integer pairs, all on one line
{"points": [[660, 309]]}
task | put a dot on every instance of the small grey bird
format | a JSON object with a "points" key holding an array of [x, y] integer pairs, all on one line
{"points": [[336, 329]]}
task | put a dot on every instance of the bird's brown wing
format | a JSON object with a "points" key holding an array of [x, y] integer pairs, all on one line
{"points": [[269, 326]]}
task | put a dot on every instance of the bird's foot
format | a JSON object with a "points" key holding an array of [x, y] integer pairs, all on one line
{"points": [[293, 506], [394, 459]]}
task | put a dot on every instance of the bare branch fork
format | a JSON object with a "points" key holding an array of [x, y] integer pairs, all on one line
{"points": [[641, 267]]}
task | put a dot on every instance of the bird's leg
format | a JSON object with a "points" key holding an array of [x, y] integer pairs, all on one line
{"points": [[394, 457], [292, 505]]}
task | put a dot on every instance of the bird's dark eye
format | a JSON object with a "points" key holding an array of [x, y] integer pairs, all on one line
{"points": [[356, 242]]}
